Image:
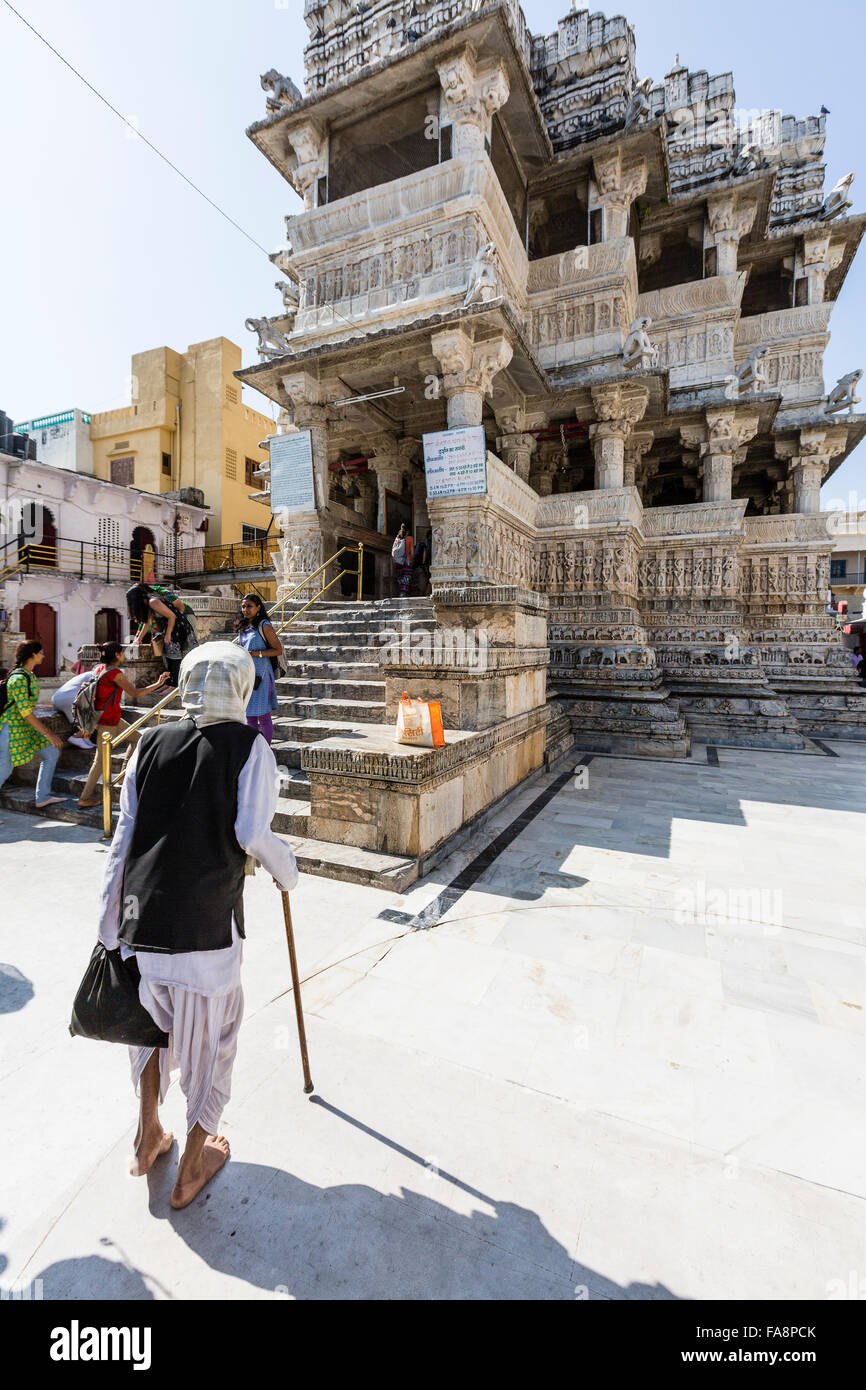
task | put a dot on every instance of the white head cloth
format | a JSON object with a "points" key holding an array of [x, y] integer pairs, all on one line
{"points": [[216, 682]]}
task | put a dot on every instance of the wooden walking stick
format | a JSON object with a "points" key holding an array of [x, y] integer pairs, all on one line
{"points": [[296, 989]]}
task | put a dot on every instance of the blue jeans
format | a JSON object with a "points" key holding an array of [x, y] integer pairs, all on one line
{"points": [[47, 763]]}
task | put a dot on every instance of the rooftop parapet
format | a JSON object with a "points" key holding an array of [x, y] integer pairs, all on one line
{"points": [[346, 38]]}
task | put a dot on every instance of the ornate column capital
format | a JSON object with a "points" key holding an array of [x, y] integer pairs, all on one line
{"points": [[619, 406], [618, 180], [470, 98], [729, 218], [469, 369], [310, 145], [636, 446]]}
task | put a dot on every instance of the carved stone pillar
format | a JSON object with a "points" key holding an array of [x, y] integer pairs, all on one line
{"points": [[388, 466], [468, 371], [618, 181], [817, 260], [636, 447], [470, 98], [304, 394], [515, 445], [809, 454], [729, 218], [310, 144], [618, 409], [721, 444], [545, 465], [366, 503]]}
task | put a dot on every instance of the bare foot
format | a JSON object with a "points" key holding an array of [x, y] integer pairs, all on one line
{"points": [[193, 1176], [148, 1148]]}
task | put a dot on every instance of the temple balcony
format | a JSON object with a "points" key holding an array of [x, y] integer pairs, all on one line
{"points": [[401, 251], [580, 304], [694, 325], [794, 340]]}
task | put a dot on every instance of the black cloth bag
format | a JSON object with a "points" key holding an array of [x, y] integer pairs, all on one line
{"points": [[107, 1005]]}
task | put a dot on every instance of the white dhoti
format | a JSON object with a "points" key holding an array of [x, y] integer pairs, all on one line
{"points": [[196, 996]]}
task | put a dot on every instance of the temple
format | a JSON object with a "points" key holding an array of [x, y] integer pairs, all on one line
{"points": [[631, 294]]}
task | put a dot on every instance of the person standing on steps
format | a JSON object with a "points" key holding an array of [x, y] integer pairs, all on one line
{"points": [[198, 798], [401, 554], [111, 685], [256, 635], [22, 735], [164, 616]]}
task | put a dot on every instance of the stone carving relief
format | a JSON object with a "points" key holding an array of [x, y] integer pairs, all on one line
{"points": [[638, 349]]}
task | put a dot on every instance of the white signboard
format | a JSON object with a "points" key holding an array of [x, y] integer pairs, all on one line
{"points": [[292, 488], [455, 462]]}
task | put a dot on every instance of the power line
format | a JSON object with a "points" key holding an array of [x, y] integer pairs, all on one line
{"points": [[131, 127], [151, 145]]}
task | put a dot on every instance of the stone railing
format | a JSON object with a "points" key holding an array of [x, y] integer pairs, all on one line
{"points": [[795, 340], [694, 325], [581, 304]]}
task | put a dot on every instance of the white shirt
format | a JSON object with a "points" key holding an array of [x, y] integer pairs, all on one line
{"points": [[203, 972]]}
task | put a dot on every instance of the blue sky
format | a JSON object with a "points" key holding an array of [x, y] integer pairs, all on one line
{"points": [[106, 252]]}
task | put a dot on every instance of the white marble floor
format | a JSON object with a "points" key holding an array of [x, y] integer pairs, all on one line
{"points": [[628, 1062]]}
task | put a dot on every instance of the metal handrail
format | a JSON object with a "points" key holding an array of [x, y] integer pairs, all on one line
{"points": [[108, 744], [85, 558], [305, 583]]}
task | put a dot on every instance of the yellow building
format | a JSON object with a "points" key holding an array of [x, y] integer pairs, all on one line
{"points": [[187, 426]]}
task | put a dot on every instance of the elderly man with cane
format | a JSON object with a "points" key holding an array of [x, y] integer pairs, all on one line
{"points": [[197, 800]]}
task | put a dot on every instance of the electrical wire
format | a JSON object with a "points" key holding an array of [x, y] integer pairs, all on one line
{"points": [[131, 127], [151, 145]]}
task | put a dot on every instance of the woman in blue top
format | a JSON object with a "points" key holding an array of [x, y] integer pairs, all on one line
{"points": [[257, 635]]}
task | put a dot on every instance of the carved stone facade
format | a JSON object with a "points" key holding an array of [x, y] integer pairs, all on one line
{"points": [[631, 293]]}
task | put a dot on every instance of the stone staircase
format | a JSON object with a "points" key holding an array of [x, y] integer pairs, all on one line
{"points": [[332, 686]]}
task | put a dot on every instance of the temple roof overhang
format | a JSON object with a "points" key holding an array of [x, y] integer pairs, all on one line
{"points": [[680, 209], [492, 35], [647, 142], [845, 235]]}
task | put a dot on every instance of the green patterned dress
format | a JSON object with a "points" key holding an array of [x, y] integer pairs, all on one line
{"points": [[22, 696]]}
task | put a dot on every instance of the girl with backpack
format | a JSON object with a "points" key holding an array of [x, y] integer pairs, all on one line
{"points": [[157, 610], [22, 735], [257, 636], [111, 684]]}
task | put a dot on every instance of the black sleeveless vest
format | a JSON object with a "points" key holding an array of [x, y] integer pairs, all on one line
{"points": [[184, 874]]}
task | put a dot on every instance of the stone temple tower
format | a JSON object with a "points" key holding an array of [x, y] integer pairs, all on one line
{"points": [[631, 294]]}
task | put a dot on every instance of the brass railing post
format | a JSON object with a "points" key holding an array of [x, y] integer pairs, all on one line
{"points": [[360, 567], [105, 741]]}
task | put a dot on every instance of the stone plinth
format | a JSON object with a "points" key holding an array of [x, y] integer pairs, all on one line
{"points": [[366, 790], [486, 660]]}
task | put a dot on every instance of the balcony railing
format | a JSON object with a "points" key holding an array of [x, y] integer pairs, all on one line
{"points": [[241, 555], [82, 560]]}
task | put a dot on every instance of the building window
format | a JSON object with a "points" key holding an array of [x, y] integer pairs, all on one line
{"points": [[166, 465], [837, 569], [596, 226], [108, 535], [252, 533], [231, 395], [123, 471], [231, 463], [250, 466]]}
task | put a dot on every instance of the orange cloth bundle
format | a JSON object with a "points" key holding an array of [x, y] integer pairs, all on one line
{"points": [[419, 722]]}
